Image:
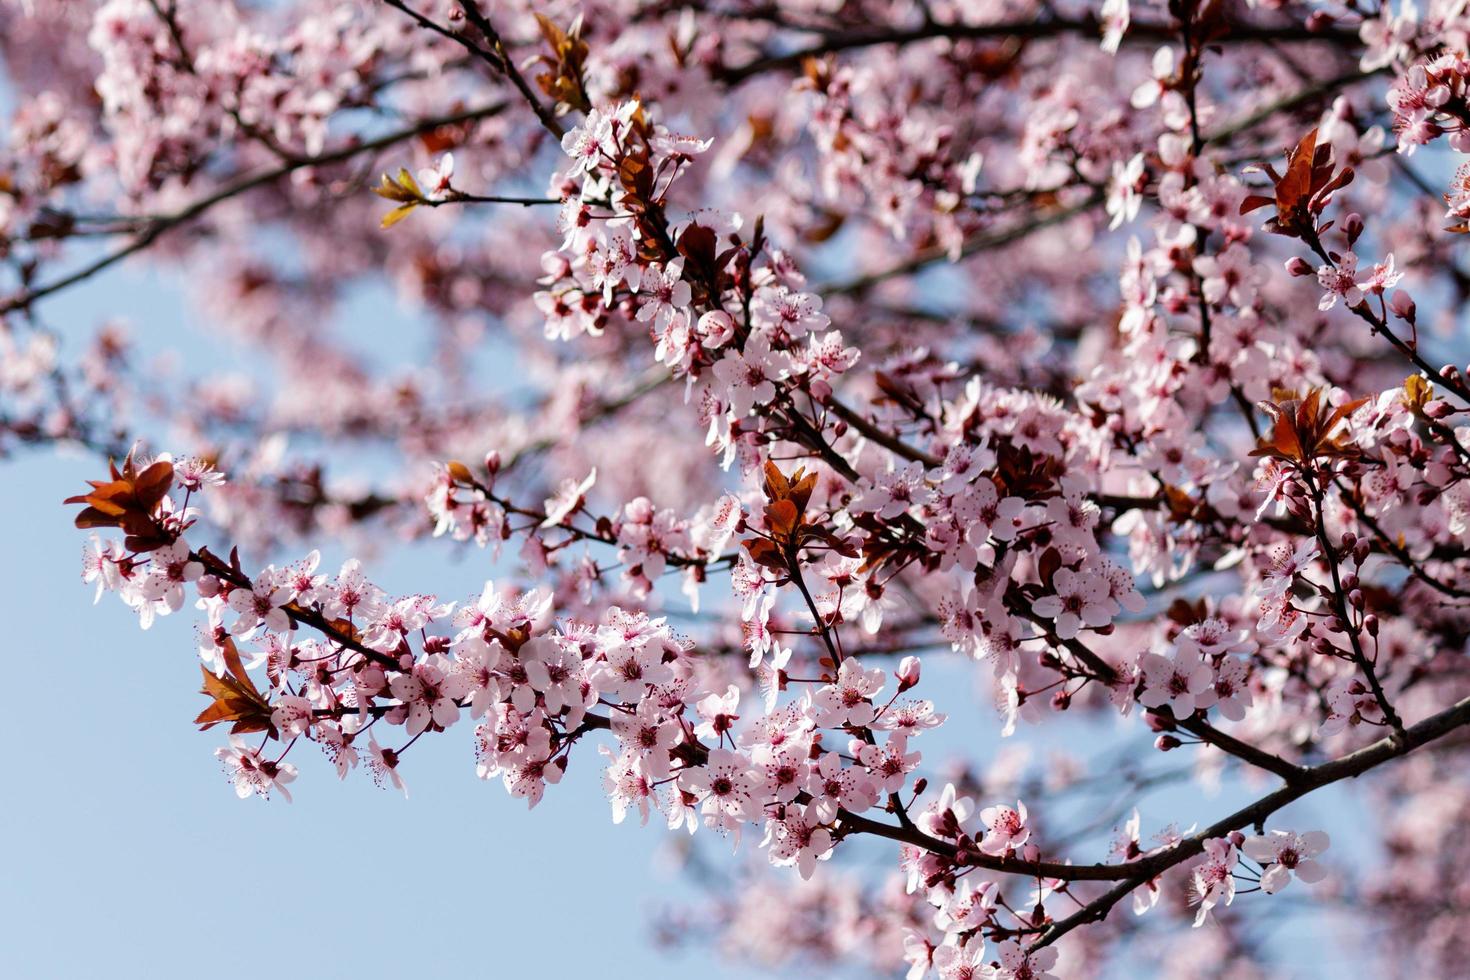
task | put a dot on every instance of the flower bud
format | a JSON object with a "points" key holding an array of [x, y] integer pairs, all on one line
{"points": [[1439, 408], [1402, 306], [1352, 227], [907, 673], [1298, 266], [1167, 743], [1061, 701], [1236, 838], [492, 463], [1370, 623]]}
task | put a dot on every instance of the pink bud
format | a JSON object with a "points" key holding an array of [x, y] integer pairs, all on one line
{"points": [[1297, 266], [907, 673], [1167, 743], [1402, 305], [1157, 722]]}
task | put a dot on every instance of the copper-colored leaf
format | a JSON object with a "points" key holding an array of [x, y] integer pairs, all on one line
{"points": [[776, 486], [782, 518]]}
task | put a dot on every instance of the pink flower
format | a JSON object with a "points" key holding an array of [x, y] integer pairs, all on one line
{"points": [[1212, 881], [173, 568], [961, 962], [717, 713], [748, 377], [628, 671], [1184, 683], [1287, 853], [1081, 599], [1007, 828], [648, 734], [429, 694], [892, 493], [554, 672], [252, 773], [628, 784], [847, 701], [889, 765], [1285, 565], [966, 909], [301, 579], [1339, 282], [1381, 277], [666, 293], [568, 499], [790, 314], [194, 474], [1115, 19], [1017, 964], [725, 786], [393, 622], [1232, 688], [434, 181], [100, 564], [261, 605], [350, 594], [833, 786], [798, 837]]}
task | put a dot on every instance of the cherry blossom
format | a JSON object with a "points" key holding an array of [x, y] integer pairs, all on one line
{"points": [[1286, 854], [1184, 683], [848, 701], [1006, 828]]}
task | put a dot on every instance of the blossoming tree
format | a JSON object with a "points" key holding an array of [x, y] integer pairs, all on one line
{"points": [[1065, 343]]}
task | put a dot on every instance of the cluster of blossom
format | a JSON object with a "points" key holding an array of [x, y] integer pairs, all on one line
{"points": [[379, 663], [178, 79]]}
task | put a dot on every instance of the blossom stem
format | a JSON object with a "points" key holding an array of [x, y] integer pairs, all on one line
{"points": [[1340, 605]]}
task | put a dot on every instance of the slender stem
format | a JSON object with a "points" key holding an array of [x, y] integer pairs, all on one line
{"points": [[1340, 606], [165, 223]]}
